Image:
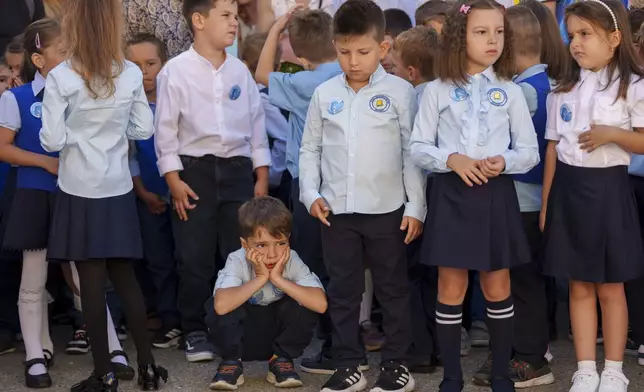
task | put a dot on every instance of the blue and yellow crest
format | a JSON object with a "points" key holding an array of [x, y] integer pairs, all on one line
{"points": [[380, 103], [36, 109], [458, 94], [497, 97], [235, 92], [566, 113], [336, 106]]}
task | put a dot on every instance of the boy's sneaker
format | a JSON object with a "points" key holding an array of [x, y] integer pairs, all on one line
{"points": [[483, 375], [321, 364], [479, 335], [640, 355], [465, 343], [524, 375], [166, 338], [585, 380], [345, 380], [613, 381], [281, 373], [229, 376], [451, 385], [79, 344], [198, 348], [394, 377]]}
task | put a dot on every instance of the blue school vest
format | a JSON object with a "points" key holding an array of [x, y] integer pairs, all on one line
{"points": [[147, 158], [541, 83], [28, 139]]}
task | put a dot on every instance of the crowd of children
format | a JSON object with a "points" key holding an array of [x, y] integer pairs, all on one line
{"points": [[449, 171]]}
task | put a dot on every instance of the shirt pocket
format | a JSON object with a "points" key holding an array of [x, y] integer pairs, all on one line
{"points": [[607, 111]]}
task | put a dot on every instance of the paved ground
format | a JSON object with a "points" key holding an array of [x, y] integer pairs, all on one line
{"points": [[195, 377]]}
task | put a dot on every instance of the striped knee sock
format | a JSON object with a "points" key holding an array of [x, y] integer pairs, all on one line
{"points": [[500, 317], [448, 331]]}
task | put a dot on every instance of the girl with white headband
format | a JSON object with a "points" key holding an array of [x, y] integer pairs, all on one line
{"points": [[592, 235]]}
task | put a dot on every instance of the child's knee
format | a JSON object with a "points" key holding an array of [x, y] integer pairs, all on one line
{"points": [[452, 287], [610, 292], [582, 291]]}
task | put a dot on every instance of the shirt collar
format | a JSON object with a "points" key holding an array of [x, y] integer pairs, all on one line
{"points": [[602, 76], [38, 84], [375, 77], [530, 72], [205, 61]]}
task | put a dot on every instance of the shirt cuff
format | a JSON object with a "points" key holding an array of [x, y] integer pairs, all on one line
{"points": [[415, 211], [551, 134], [261, 157], [169, 163], [308, 198], [509, 160], [441, 160]]}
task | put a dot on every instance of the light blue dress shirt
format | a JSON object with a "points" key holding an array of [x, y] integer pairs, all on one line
{"points": [[481, 119], [293, 92], [420, 89], [92, 134], [277, 129], [355, 149], [239, 271]]}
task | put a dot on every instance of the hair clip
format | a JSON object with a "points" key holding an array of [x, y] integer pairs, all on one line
{"points": [[465, 9], [610, 11], [38, 46]]}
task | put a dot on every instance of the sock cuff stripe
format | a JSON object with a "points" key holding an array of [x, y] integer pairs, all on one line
{"points": [[499, 311], [448, 322], [500, 316], [449, 316]]}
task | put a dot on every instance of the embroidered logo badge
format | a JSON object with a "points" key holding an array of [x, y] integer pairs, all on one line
{"points": [[336, 106], [565, 113], [235, 92], [458, 94], [497, 97], [380, 103], [36, 109]]}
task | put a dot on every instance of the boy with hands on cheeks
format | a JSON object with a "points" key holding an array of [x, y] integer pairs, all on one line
{"points": [[266, 299]]}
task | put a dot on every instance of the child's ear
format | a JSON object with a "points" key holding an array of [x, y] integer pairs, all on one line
{"points": [[385, 46], [38, 60], [244, 244], [615, 39], [412, 72]]}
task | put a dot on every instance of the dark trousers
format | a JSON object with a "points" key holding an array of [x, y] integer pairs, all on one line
{"points": [[423, 291], [10, 275], [255, 333], [159, 262], [306, 240], [212, 229], [531, 330], [635, 289], [351, 240]]}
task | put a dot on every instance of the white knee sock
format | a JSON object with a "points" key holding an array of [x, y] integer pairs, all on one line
{"points": [[45, 338], [367, 298], [30, 305]]}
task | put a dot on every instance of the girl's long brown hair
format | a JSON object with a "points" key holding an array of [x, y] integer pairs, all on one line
{"points": [[38, 36], [453, 52], [553, 50], [624, 62], [93, 33]]}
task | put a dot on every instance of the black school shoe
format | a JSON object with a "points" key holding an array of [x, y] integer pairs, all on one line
{"points": [[345, 380], [121, 371], [524, 375], [39, 381], [394, 377], [282, 374], [106, 383], [229, 376], [451, 385], [149, 377]]}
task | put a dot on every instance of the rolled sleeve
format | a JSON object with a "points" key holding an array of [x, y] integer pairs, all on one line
{"points": [[233, 273], [552, 113], [636, 104], [9, 112], [300, 274], [166, 122]]}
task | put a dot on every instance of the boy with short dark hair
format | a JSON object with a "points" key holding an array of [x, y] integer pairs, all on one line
{"points": [[396, 21], [357, 178], [414, 54], [311, 36], [266, 299], [432, 14], [210, 141]]}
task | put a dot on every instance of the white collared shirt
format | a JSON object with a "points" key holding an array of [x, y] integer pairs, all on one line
{"points": [[9, 110], [590, 102], [355, 148], [206, 111], [92, 134]]}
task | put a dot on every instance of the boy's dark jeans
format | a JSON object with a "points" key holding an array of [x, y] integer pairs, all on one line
{"points": [[255, 333], [212, 229], [160, 264]]}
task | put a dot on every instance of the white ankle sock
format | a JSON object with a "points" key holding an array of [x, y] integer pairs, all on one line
{"points": [[587, 365], [613, 365], [113, 340], [30, 305]]}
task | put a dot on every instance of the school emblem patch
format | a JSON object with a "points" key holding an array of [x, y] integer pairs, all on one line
{"points": [[336, 106], [380, 103], [497, 97], [36, 109], [458, 94], [235, 92], [565, 113]]}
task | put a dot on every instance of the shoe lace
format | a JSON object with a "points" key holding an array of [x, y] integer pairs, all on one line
{"points": [[228, 369], [616, 380], [519, 368], [284, 366], [80, 335], [583, 377]]}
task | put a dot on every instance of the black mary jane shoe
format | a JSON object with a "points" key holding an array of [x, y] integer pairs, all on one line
{"points": [[107, 383], [122, 372], [39, 381], [149, 376], [49, 358]]}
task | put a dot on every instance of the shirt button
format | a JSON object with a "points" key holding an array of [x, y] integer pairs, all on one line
{"points": [[350, 193], [351, 155], [350, 174]]}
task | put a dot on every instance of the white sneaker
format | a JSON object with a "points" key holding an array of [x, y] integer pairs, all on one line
{"points": [[585, 380], [613, 381]]}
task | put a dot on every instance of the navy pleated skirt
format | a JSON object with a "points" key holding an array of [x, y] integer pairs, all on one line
{"points": [[592, 232], [5, 208], [87, 229], [476, 228], [29, 219]]}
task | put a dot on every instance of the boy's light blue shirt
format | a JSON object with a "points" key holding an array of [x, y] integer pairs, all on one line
{"points": [[239, 271], [293, 92]]}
